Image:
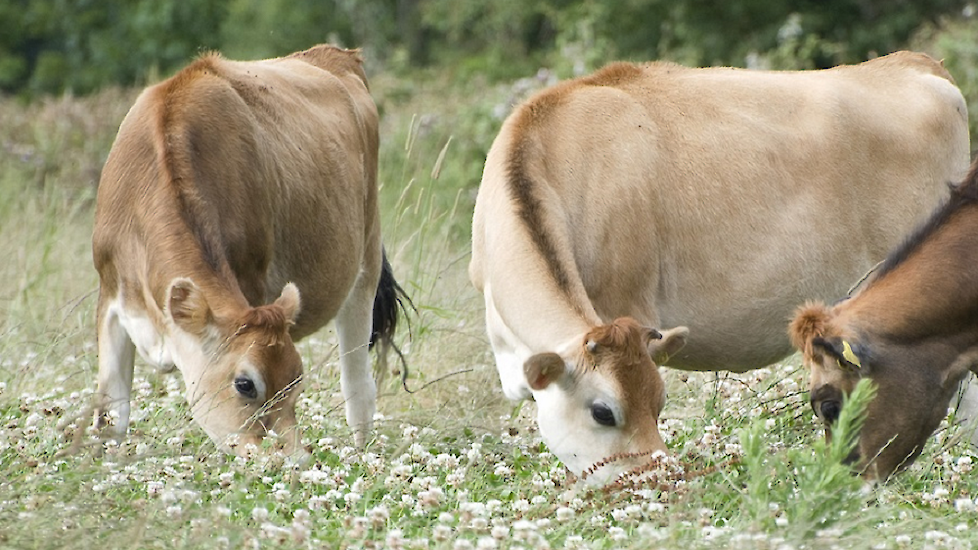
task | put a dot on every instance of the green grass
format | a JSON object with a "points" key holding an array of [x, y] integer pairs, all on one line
{"points": [[453, 465]]}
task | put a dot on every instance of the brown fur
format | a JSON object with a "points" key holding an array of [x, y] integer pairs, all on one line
{"points": [[623, 338], [810, 320], [914, 327], [226, 182], [623, 352], [677, 196]]}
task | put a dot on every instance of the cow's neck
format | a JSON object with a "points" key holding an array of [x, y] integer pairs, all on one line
{"points": [[186, 258], [934, 291]]}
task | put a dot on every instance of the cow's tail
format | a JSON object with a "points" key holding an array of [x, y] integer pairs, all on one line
{"points": [[390, 303]]}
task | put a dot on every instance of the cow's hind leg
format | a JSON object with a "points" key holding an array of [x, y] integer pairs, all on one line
{"points": [[353, 326], [116, 355]]}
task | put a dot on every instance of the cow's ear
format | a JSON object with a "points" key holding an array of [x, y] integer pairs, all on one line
{"points": [[289, 302], [186, 306], [669, 344], [544, 369]]}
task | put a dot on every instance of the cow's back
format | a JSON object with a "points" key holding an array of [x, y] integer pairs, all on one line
{"points": [[721, 198], [261, 165]]}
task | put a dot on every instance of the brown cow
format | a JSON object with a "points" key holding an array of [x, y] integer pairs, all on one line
{"points": [[231, 188], [716, 199], [912, 329]]}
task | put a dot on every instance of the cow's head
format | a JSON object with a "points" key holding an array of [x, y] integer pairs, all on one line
{"points": [[602, 396], [242, 371], [915, 382]]}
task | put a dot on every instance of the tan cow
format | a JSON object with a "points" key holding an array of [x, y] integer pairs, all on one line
{"points": [[716, 199], [912, 330], [231, 188]]}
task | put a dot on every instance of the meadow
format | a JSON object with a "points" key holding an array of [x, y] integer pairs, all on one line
{"points": [[452, 464]]}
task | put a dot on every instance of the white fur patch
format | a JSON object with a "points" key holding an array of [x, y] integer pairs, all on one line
{"points": [[149, 339]]}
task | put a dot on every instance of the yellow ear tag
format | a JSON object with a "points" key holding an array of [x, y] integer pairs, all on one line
{"points": [[848, 354]]}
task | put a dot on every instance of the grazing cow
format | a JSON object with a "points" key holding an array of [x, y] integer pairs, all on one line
{"points": [[912, 329], [716, 199], [231, 188]]}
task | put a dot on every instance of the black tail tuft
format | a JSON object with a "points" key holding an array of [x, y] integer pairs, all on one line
{"points": [[388, 303]]}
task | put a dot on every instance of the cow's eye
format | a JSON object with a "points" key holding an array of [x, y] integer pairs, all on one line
{"points": [[602, 414], [246, 387]]}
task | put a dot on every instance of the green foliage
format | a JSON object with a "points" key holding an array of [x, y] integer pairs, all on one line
{"points": [[953, 41], [49, 46]]}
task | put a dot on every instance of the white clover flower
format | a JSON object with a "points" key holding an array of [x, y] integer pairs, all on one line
{"points": [[520, 505], [273, 532], [441, 533], [473, 508], [300, 532], [479, 524], [462, 544], [475, 452], [419, 454], [502, 470], [154, 488], [395, 539], [539, 500], [499, 532], [781, 521], [402, 472], [409, 432], [319, 502], [259, 514], [425, 483], [431, 498], [617, 534], [564, 514], [352, 499], [455, 479], [445, 460], [964, 505], [486, 543]]}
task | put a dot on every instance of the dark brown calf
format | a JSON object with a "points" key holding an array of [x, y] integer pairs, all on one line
{"points": [[912, 330]]}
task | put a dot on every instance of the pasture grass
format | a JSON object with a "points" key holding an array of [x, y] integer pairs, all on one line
{"points": [[452, 465]]}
